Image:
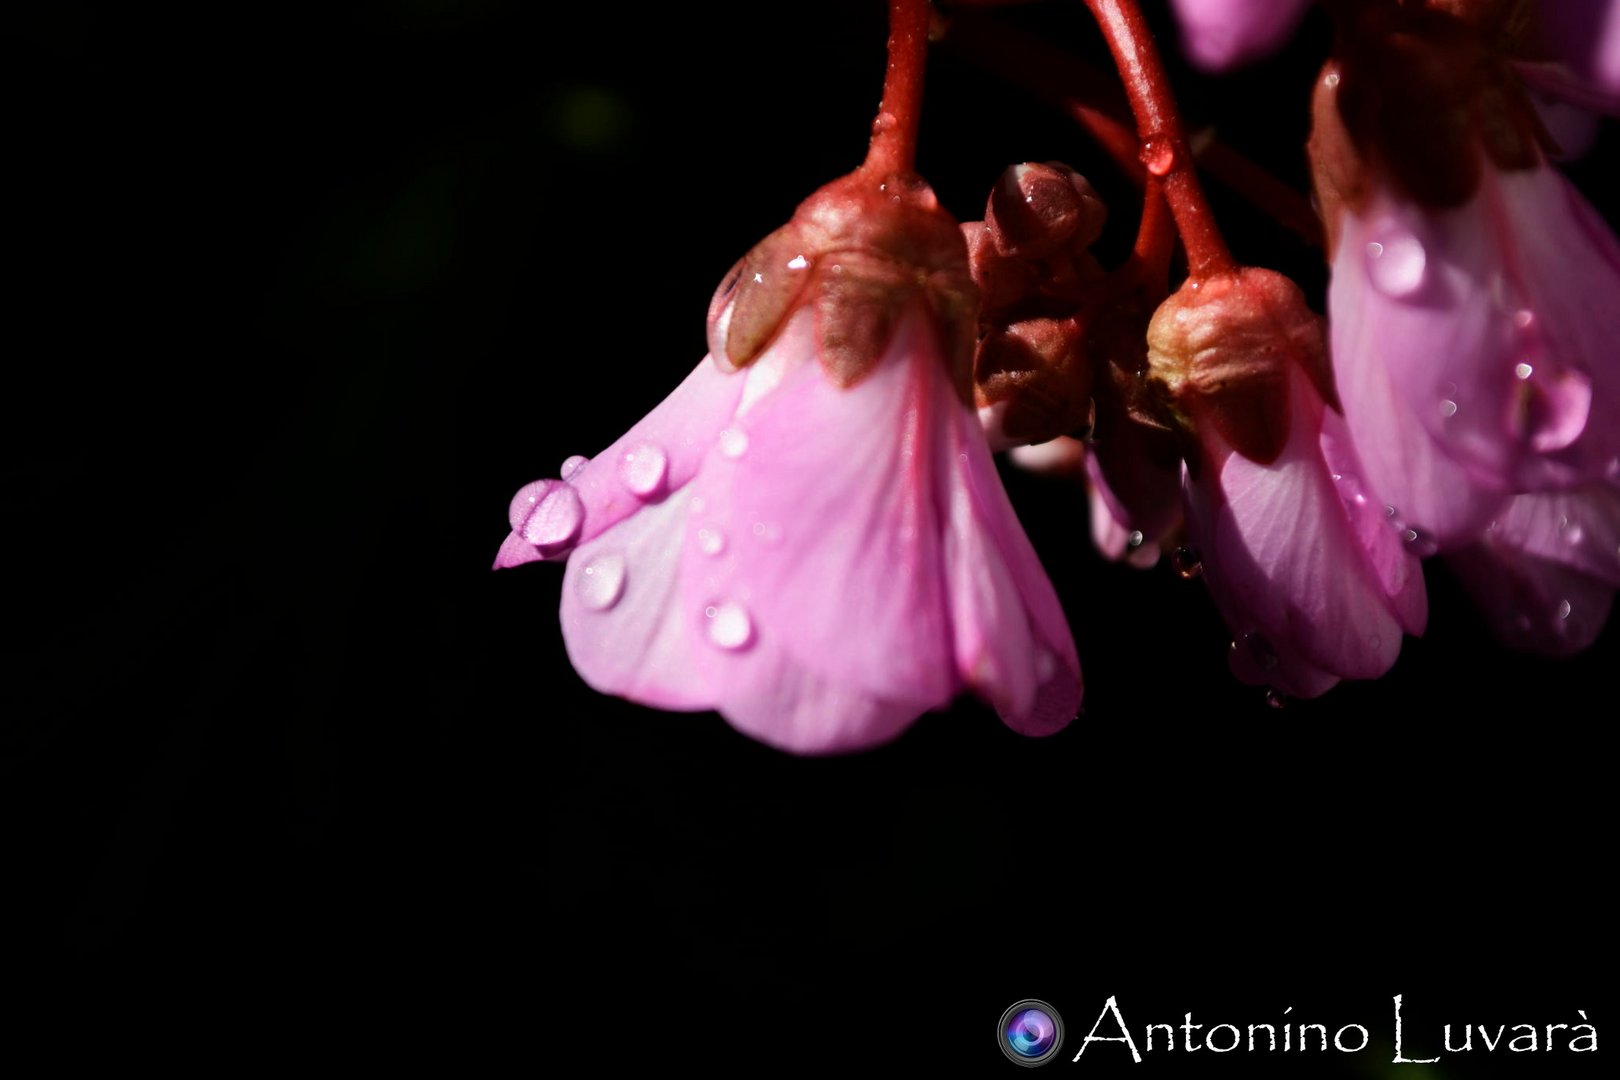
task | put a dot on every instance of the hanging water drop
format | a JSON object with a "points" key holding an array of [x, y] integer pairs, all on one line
{"points": [[643, 469], [546, 513], [1275, 699], [573, 465], [1563, 609], [1159, 155], [729, 628], [711, 541], [1397, 266], [601, 582], [1134, 540], [1186, 563]]}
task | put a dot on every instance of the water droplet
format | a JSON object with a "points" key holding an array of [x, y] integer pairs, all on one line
{"points": [[546, 513], [1134, 540], [711, 541], [643, 469], [1563, 609], [767, 532], [1275, 699], [1260, 649], [601, 583], [1045, 665], [1374, 641], [1410, 536], [798, 262], [1571, 530], [1186, 563], [1523, 371], [1397, 266], [1448, 408], [1337, 477], [1159, 155], [733, 442], [1331, 79], [1524, 318], [573, 465], [730, 628], [1389, 511]]}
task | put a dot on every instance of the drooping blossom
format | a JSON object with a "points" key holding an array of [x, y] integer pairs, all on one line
{"points": [[1307, 572], [1220, 34], [816, 545], [1584, 36], [1472, 298]]}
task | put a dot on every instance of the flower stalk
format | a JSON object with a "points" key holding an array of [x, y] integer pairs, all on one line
{"points": [[894, 133], [1163, 144]]}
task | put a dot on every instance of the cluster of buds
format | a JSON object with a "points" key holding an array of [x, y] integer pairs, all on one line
{"points": [[810, 536]]}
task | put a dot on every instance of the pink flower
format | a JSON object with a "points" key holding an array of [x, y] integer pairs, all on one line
{"points": [[1585, 36], [1474, 348], [821, 551], [1219, 34], [1312, 579], [1546, 570]]}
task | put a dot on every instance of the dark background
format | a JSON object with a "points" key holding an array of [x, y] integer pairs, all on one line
{"points": [[308, 291]]}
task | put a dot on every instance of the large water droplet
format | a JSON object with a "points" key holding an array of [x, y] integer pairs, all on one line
{"points": [[1186, 563], [601, 582], [730, 628], [1159, 155], [1134, 540], [1563, 609], [573, 465], [711, 541], [1523, 371], [1276, 699], [642, 470], [1448, 408], [1397, 266], [733, 442], [1260, 649], [546, 513]]}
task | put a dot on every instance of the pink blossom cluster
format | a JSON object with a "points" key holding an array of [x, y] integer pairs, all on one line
{"points": [[809, 535]]}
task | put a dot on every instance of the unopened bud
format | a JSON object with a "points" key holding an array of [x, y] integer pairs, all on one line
{"points": [[1036, 370], [1038, 210]]}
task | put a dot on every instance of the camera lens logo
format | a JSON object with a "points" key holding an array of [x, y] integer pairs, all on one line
{"points": [[1030, 1032]]}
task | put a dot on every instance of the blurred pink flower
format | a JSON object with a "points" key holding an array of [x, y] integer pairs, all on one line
{"points": [[1219, 34], [1474, 349], [819, 563]]}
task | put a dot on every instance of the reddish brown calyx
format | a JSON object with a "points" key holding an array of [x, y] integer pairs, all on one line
{"points": [[858, 252], [1219, 352], [1425, 95]]}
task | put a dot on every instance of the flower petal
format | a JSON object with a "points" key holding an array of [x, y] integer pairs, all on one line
{"points": [[626, 632], [1392, 357], [1218, 34], [1286, 565]]}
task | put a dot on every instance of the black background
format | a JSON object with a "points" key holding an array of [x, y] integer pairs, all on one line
{"points": [[308, 292]]}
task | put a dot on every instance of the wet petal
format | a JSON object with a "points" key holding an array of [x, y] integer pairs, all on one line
{"points": [[1218, 34]]}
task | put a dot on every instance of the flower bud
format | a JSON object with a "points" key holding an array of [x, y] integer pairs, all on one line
{"points": [[1038, 210], [1220, 349]]}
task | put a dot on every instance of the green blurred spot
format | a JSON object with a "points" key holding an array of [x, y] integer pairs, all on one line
{"points": [[589, 119]]}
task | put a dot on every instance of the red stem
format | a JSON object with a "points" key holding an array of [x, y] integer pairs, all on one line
{"points": [[894, 132], [1163, 145]]}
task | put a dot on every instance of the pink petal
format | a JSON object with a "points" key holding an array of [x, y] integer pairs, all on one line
{"points": [[1578, 529], [625, 629], [1218, 34], [1388, 549], [1285, 562], [1013, 645], [1383, 346]]}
